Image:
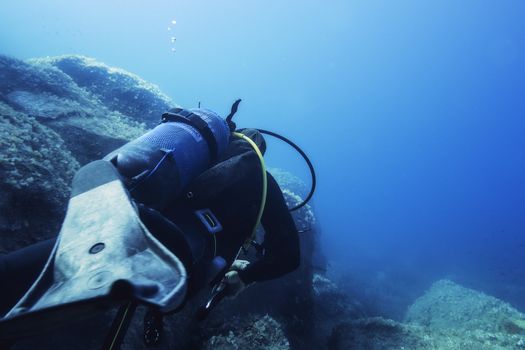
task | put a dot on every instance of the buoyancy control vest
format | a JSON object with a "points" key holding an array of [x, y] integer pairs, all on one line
{"points": [[227, 196], [238, 164], [158, 165]]}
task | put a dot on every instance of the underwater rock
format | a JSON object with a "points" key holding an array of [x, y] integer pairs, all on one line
{"points": [[35, 175], [448, 305], [304, 216], [448, 316], [294, 191], [331, 306], [85, 145], [39, 88], [377, 334], [45, 92], [287, 180], [117, 89], [18, 75], [48, 123], [332, 302], [46, 105], [257, 333]]}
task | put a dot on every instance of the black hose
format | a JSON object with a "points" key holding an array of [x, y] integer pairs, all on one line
{"points": [[312, 171]]}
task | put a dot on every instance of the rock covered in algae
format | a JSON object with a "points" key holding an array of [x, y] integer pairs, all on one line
{"points": [[115, 88], [261, 333], [377, 333], [448, 316], [53, 119], [447, 305], [83, 100], [35, 173]]}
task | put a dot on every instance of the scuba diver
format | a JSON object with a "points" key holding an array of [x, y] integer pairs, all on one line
{"points": [[237, 193], [155, 222]]}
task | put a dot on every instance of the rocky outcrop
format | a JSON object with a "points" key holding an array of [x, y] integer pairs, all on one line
{"points": [[118, 90], [331, 305], [249, 332], [377, 334], [476, 320], [448, 317], [35, 173], [77, 97], [55, 115]]}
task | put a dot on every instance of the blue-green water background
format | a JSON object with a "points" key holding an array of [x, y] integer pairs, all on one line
{"points": [[412, 111]]}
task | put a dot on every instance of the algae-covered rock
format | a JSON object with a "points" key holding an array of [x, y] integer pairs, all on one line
{"points": [[456, 317], [117, 89], [18, 75], [48, 123], [44, 91], [448, 305], [447, 317], [287, 180], [331, 307], [101, 100], [295, 191], [380, 334], [304, 216], [377, 334], [332, 304], [35, 172], [257, 333]]}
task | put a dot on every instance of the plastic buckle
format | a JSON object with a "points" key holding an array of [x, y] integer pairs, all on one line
{"points": [[209, 220]]}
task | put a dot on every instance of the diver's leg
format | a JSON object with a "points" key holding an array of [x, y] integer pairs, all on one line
{"points": [[18, 271]]}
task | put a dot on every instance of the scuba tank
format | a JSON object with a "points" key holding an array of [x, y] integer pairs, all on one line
{"points": [[158, 165]]}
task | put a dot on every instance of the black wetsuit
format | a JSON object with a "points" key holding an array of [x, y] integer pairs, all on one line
{"points": [[281, 241], [18, 271], [232, 189]]}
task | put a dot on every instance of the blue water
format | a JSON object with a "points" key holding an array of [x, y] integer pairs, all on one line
{"points": [[412, 111]]}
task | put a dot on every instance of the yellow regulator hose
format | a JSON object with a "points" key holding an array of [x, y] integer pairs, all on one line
{"points": [[265, 180]]}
